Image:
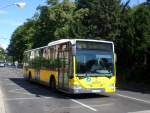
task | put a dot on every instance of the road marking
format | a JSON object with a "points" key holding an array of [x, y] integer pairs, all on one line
{"points": [[89, 107], [2, 107], [141, 100], [101, 105], [75, 107], [146, 111], [33, 98]]}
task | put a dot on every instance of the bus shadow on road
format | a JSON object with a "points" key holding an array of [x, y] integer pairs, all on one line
{"points": [[39, 90]]}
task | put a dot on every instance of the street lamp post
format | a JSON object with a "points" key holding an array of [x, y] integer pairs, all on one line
{"points": [[19, 4]]}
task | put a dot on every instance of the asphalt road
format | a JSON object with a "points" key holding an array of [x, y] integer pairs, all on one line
{"points": [[20, 96]]}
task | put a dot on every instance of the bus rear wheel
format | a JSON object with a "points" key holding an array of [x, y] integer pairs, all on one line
{"points": [[29, 77], [52, 84]]}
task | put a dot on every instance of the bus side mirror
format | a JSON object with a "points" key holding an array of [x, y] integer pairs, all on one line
{"points": [[115, 57]]}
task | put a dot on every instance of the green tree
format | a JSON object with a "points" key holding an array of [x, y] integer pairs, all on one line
{"points": [[21, 40], [2, 54], [72, 26], [133, 45], [52, 2], [103, 18], [61, 20], [141, 16], [134, 41]]}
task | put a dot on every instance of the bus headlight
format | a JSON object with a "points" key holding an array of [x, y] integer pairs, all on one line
{"points": [[111, 85]]}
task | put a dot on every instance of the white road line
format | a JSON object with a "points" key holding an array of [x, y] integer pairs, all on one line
{"points": [[101, 105], [141, 100], [2, 107], [93, 109], [146, 111], [75, 107]]}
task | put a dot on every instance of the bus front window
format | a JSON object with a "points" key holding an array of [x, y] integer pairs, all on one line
{"points": [[94, 62]]}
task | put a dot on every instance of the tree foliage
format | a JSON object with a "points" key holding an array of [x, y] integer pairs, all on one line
{"points": [[2, 54], [21, 40], [58, 21], [103, 18]]}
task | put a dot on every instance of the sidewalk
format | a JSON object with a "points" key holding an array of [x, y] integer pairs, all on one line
{"points": [[2, 108]]}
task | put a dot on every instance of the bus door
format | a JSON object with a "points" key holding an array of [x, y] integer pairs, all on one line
{"points": [[63, 55]]}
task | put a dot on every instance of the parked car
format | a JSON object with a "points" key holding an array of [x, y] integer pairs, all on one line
{"points": [[8, 64], [20, 65], [2, 64]]}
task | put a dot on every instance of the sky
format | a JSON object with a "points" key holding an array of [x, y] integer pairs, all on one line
{"points": [[12, 16]]}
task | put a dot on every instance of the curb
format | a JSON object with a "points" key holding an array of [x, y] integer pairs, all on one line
{"points": [[2, 107]]}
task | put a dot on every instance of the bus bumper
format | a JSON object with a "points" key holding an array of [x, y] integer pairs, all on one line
{"points": [[80, 91]]}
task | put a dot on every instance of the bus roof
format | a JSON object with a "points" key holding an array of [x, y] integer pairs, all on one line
{"points": [[73, 41]]}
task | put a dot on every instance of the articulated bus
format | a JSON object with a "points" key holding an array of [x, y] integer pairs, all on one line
{"points": [[73, 66]]}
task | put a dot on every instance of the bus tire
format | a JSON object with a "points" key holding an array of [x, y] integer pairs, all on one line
{"points": [[52, 83], [29, 76]]}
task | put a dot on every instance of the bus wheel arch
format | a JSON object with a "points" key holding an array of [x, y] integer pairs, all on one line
{"points": [[52, 82]]}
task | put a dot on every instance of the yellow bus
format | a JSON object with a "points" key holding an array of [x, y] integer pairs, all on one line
{"points": [[73, 66]]}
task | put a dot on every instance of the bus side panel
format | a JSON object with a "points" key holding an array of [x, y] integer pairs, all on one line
{"points": [[45, 75], [110, 86], [71, 83]]}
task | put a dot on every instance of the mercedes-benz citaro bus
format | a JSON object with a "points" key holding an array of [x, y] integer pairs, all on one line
{"points": [[73, 66]]}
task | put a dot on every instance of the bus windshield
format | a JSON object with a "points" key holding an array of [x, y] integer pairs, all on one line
{"points": [[94, 62]]}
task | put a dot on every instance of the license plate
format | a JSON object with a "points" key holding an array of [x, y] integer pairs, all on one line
{"points": [[96, 91]]}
